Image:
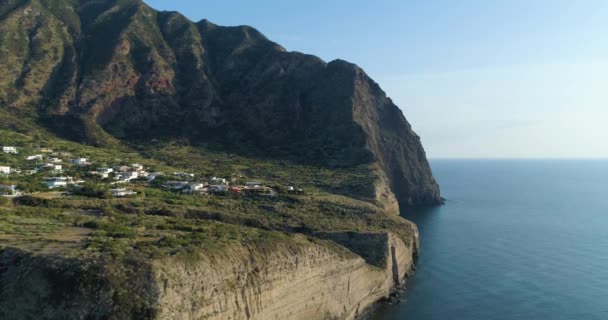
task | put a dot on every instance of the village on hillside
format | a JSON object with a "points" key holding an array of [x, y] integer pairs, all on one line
{"points": [[68, 174]]}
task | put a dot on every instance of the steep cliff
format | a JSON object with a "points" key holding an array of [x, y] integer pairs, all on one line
{"points": [[296, 279], [128, 82], [102, 71]]}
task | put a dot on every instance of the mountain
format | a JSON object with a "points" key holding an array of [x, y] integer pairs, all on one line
{"points": [[102, 71], [126, 87]]}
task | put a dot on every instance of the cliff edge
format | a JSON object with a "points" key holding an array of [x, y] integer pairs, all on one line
{"points": [[295, 279]]}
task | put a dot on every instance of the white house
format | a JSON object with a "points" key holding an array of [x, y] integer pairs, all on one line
{"points": [[34, 157], [137, 167], [57, 182], [154, 175], [8, 189], [53, 167], [122, 192], [5, 170], [105, 170], [132, 175], [7, 149], [97, 173], [45, 150], [80, 161], [196, 186], [127, 176]]}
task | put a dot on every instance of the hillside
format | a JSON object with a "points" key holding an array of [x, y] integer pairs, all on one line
{"points": [[157, 168], [116, 70]]}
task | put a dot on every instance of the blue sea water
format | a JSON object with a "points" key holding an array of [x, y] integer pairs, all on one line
{"points": [[517, 239]]}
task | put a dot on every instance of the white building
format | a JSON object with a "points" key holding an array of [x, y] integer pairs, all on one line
{"points": [[5, 170], [34, 157], [54, 160], [57, 182], [105, 170], [80, 161], [127, 176], [137, 167], [7, 149], [196, 186], [122, 192], [154, 175], [53, 167], [101, 174], [8, 189]]}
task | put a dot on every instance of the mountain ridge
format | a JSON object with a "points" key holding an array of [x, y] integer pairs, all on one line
{"points": [[117, 70]]}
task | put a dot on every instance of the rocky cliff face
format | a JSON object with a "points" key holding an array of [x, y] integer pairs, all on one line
{"points": [[291, 280], [106, 70]]}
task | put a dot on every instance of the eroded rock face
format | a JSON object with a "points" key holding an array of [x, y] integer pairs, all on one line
{"points": [[105, 70], [287, 280], [311, 282]]}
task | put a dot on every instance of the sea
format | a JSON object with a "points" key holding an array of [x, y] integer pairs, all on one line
{"points": [[516, 239]]}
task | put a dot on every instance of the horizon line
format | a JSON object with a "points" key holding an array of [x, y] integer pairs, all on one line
{"points": [[517, 158]]}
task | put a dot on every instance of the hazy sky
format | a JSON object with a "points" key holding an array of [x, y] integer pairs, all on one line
{"points": [[511, 78]]}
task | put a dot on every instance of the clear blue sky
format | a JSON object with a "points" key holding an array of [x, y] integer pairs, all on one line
{"points": [[509, 78]]}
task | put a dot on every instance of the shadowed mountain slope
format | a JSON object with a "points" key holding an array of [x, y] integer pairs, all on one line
{"points": [[104, 71]]}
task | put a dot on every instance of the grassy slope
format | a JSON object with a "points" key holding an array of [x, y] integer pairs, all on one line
{"points": [[158, 222]]}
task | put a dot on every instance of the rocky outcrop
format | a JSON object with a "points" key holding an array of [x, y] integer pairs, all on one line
{"points": [[103, 71], [309, 282], [299, 279]]}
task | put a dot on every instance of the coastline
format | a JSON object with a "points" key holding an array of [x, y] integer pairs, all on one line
{"points": [[395, 296]]}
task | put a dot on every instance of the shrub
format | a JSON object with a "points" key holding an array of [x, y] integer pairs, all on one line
{"points": [[93, 190]]}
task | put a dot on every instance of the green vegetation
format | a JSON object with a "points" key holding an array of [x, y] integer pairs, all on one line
{"points": [[159, 222], [92, 190], [116, 233], [355, 182], [156, 223]]}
